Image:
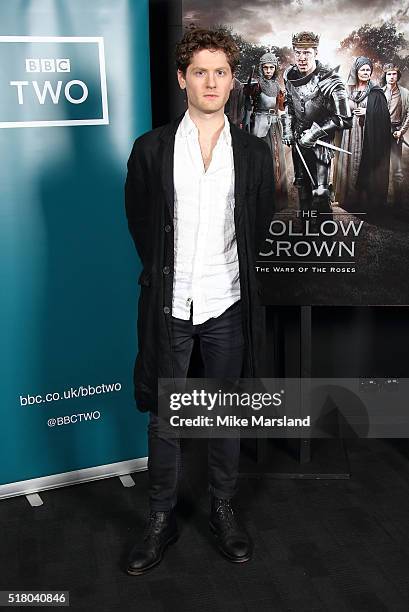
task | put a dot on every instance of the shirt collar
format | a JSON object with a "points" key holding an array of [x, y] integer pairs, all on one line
{"points": [[187, 126]]}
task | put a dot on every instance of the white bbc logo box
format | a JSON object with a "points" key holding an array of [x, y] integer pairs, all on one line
{"points": [[54, 66], [48, 65]]}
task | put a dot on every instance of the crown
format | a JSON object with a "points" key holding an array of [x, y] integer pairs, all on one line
{"points": [[306, 40], [388, 67]]}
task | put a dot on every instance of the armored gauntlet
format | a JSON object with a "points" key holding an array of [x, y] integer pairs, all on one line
{"points": [[310, 136], [288, 134]]}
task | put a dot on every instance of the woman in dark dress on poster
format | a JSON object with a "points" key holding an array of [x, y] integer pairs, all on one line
{"points": [[362, 178]]}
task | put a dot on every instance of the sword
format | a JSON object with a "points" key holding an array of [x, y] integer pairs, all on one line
{"points": [[305, 164], [331, 146]]}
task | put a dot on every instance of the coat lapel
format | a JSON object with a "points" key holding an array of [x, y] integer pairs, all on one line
{"points": [[240, 153], [167, 137]]}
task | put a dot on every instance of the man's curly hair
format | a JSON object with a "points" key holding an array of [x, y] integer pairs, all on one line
{"points": [[199, 39]]}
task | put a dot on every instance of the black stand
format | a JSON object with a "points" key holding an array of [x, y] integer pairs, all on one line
{"points": [[296, 458]]}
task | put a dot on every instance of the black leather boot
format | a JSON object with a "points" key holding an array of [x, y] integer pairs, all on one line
{"points": [[161, 531], [232, 538]]}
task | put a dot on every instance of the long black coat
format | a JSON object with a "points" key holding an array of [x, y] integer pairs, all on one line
{"points": [[373, 175], [149, 198]]}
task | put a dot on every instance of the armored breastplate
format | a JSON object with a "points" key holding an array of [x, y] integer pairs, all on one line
{"points": [[265, 103], [308, 102]]}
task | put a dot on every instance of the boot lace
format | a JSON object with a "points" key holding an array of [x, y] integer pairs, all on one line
{"points": [[155, 526], [227, 518]]}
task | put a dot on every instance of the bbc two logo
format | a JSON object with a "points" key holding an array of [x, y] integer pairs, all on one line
{"points": [[46, 89], [52, 81]]}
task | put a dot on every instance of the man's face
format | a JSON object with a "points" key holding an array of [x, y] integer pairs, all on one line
{"points": [[305, 59], [364, 73], [391, 77], [268, 70], [208, 81]]}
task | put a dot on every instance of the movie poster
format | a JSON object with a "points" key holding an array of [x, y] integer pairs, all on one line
{"points": [[326, 87]]}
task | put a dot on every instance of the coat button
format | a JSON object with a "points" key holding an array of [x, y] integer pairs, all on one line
{"points": [[167, 228], [166, 309], [166, 270]]}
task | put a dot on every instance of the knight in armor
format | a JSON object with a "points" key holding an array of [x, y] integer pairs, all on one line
{"points": [[264, 100], [316, 108]]}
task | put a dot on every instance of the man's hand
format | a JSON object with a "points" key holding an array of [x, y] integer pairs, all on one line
{"points": [[308, 139], [397, 135], [360, 111]]}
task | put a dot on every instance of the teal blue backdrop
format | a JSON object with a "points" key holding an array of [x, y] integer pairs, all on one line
{"points": [[68, 268]]}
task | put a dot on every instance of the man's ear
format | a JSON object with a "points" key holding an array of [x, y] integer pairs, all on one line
{"points": [[181, 79]]}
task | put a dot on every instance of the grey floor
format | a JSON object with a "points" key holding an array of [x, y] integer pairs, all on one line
{"points": [[327, 545]]}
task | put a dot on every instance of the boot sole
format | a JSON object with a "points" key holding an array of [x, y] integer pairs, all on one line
{"points": [[225, 554], [136, 572]]}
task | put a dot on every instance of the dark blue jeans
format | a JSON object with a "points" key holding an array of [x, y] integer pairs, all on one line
{"points": [[221, 346]]}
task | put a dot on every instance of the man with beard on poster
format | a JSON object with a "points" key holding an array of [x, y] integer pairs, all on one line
{"points": [[397, 98], [316, 108], [263, 102], [199, 195], [362, 178]]}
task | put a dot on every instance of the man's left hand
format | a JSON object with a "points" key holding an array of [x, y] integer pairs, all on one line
{"points": [[397, 135]]}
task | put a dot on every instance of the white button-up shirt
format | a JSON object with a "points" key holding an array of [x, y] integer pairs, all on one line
{"points": [[206, 268]]}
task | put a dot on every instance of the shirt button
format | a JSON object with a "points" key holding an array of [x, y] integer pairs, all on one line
{"points": [[166, 309], [167, 228], [166, 270]]}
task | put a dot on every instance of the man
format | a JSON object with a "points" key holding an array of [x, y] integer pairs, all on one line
{"points": [[317, 108], [192, 193], [398, 104]]}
